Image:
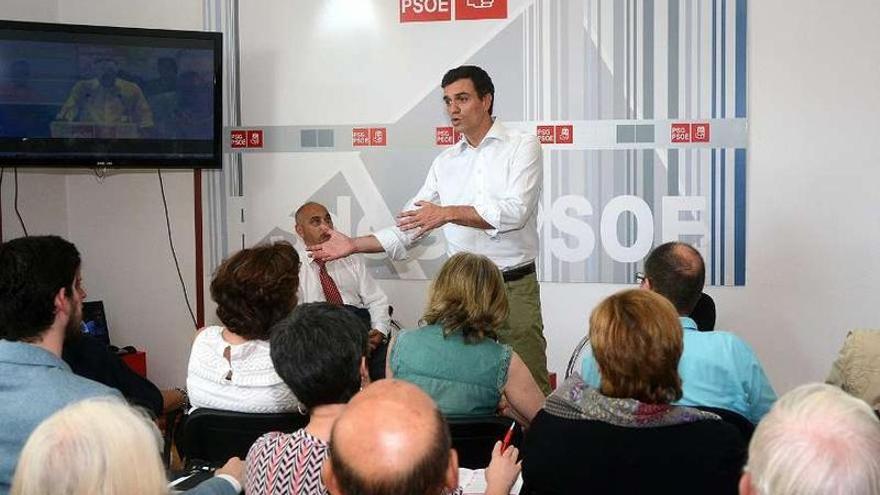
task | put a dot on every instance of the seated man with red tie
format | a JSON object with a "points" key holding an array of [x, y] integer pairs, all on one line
{"points": [[345, 281]]}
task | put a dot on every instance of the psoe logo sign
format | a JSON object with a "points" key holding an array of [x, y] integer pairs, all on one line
{"points": [[466, 10], [241, 138], [441, 10], [446, 136], [425, 10]]}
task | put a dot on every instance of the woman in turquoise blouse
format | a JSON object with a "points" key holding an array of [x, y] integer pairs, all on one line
{"points": [[455, 357]]}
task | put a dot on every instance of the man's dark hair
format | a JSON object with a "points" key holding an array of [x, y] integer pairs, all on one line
{"points": [[677, 272], [256, 287], [32, 271], [317, 351], [482, 81], [426, 476]]}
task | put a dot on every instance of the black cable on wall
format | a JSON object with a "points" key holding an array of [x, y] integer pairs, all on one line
{"points": [[17, 211], [173, 252]]}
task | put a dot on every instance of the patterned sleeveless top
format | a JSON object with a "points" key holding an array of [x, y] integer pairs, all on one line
{"points": [[285, 463]]}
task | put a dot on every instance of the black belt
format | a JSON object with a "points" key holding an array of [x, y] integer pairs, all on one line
{"points": [[515, 274]]}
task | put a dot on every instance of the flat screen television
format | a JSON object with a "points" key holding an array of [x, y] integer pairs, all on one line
{"points": [[73, 96]]}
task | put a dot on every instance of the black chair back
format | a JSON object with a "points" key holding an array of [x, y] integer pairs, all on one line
{"points": [[211, 436], [703, 313], [473, 438], [746, 428]]}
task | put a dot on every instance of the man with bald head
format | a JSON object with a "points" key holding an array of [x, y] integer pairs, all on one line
{"points": [[391, 439], [345, 281], [717, 369]]}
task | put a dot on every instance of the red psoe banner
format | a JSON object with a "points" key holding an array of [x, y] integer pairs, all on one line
{"points": [[564, 134], [378, 136], [443, 136], [360, 136], [546, 134], [238, 139], [700, 132], [680, 133], [255, 139], [466, 10], [425, 10]]}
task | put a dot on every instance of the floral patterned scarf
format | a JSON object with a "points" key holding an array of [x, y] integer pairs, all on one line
{"points": [[574, 399]]}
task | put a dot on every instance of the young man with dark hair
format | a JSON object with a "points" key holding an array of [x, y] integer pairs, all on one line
{"points": [[41, 295], [718, 369], [482, 82], [483, 191], [391, 439]]}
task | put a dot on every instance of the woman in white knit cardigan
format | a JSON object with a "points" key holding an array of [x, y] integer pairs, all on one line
{"points": [[229, 366]]}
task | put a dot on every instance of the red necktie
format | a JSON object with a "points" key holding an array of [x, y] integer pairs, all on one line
{"points": [[331, 292]]}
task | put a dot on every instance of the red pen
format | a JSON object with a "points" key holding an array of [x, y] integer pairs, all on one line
{"points": [[507, 437]]}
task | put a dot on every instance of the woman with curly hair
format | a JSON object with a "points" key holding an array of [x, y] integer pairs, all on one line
{"points": [[455, 357], [230, 367]]}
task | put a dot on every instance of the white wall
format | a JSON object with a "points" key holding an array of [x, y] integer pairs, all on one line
{"points": [[814, 219], [42, 202], [118, 224]]}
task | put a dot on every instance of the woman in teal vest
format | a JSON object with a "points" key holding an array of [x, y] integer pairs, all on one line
{"points": [[455, 357]]}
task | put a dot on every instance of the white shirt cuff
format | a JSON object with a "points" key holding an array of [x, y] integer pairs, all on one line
{"points": [[390, 239], [492, 215]]}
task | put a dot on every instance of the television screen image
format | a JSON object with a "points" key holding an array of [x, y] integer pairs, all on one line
{"points": [[109, 96]]}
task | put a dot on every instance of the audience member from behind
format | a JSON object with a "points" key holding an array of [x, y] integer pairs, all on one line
{"points": [[456, 358], [41, 295], [717, 369], [103, 446], [625, 437], [856, 368], [391, 440], [90, 358], [230, 367], [817, 440], [320, 352]]}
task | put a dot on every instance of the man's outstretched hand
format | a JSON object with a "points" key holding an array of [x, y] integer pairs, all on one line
{"points": [[336, 246]]}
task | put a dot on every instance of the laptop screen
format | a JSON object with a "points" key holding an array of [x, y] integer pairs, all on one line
{"points": [[94, 321]]}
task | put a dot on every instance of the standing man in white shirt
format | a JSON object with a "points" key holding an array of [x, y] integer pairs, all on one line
{"points": [[484, 192], [343, 281]]}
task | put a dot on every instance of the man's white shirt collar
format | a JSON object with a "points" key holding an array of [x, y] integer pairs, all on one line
{"points": [[497, 131]]}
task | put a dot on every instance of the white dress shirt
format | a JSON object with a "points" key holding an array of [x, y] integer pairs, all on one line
{"points": [[355, 284], [501, 178]]}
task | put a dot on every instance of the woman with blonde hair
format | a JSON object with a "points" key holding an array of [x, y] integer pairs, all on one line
{"points": [[625, 436], [455, 357], [103, 447]]}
